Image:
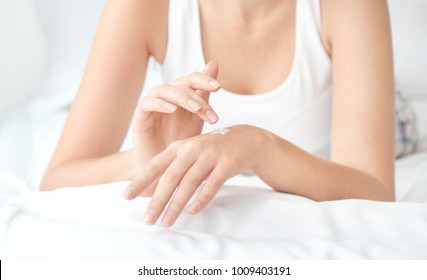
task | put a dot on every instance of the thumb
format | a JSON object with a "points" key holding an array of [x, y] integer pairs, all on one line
{"points": [[211, 69]]}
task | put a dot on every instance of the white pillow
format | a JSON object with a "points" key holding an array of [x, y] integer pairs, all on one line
{"points": [[406, 133]]}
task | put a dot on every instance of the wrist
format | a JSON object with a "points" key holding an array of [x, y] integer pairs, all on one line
{"points": [[267, 146], [263, 142]]}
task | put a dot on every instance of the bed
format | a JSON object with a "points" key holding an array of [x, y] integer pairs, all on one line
{"points": [[246, 220]]}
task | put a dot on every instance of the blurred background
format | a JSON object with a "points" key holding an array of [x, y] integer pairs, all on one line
{"points": [[44, 45]]}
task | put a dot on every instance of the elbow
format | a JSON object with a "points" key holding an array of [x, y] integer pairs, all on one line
{"points": [[48, 182], [389, 194], [381, 193], [45, 184], [385, 190]]}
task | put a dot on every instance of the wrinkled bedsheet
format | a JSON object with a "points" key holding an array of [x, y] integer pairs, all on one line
{"points": [[240, 223], [246, 220]]}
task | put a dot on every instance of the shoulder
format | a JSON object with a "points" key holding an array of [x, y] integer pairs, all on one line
{"points": [[148, 17], [342, 18]]}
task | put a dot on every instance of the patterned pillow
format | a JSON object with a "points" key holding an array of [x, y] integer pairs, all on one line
{"points": [[406, 128]]}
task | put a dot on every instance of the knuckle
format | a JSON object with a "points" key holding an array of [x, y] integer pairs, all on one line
{"points": [[194, 74], [189, 148], [182, 153], [151, 167], [191, 180], [205, 197], [157, 203], [204, 104], [196, 145], [170, 177], [230, 162], [154, 89], [167, 90], [139, 177], [177, 205], [194, 77], [215, 181], [174, 146]]}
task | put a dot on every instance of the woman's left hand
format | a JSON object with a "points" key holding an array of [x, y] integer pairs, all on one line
{"points": [[185, 164]]}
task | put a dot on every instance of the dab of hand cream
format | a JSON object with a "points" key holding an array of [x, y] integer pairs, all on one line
{"points": [[222, 131]]}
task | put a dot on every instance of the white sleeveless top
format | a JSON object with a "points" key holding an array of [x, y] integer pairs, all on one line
{"points": [[299, 110]]}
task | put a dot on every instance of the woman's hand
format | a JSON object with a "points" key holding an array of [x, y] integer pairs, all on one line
{"points": [[185, 164], [174, 111]]}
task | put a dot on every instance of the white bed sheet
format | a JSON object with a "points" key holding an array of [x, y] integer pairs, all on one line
{"points": [[240, 223]]}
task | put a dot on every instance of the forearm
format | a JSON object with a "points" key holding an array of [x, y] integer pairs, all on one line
{"points": [[287, 168], [113, 168]]}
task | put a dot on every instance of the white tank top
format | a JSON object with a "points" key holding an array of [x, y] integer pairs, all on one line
{"points": [[299, 110]]}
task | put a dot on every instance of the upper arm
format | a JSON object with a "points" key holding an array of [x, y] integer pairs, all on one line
{"points": [[358, 32], [101, 113]]}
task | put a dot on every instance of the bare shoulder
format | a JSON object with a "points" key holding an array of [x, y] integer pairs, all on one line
{"points": [[344, 17], [148, 17]]}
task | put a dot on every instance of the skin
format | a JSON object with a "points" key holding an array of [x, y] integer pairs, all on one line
{"points": [[168, 149]]}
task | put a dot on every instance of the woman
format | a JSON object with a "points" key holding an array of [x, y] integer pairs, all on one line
{"points": [[280, 62]]}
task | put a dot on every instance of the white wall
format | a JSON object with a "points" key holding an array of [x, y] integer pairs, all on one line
{"points": [[21, 51]]}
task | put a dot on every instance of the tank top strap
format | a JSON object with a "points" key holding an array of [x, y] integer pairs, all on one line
{"points": [[183, 40], [311, 31], [312, 13]]}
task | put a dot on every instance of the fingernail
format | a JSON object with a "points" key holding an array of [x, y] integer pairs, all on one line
{"points": [[214, 84], [168, 219], [194, 208], [212, 116], [150, 217], [128, 193], [194, 105], [171, 108]]}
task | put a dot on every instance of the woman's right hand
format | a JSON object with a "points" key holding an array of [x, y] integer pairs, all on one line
{"points": [[173, 111]]}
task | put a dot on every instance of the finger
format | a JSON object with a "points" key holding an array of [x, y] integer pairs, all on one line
{"points": [[198, 81], [211, 70], [150, 104], [189, 183], [166, 187], [206, 112], [214, 182], [187, 99], [148, 175], [148, 192]]}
